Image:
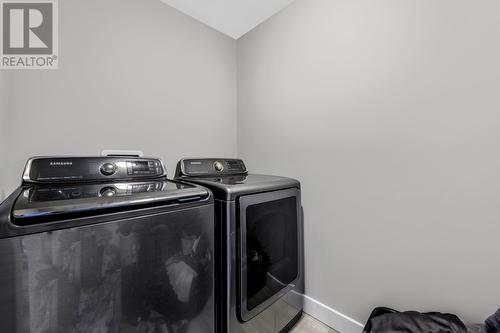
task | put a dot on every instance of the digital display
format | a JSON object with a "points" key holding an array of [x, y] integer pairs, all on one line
{"points": [[235, 165], [141, 166]]}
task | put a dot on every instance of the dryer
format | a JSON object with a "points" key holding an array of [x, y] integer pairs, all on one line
{"points": [[259, 245]]}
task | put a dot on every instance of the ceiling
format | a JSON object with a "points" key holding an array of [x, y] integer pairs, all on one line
{"points": [[231, 17]]}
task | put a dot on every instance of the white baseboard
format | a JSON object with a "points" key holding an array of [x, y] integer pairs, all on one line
{"points": [[336, 320]]}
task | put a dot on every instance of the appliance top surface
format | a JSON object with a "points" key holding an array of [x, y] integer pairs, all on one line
{"points": [[231, 187], [51, 201], [228, 178]]}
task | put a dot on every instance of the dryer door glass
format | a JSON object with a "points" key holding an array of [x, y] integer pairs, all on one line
{"points": [[269, 248]]}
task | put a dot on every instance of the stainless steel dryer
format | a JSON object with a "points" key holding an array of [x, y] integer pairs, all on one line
{"points": [[106, 244], [259, 245]]}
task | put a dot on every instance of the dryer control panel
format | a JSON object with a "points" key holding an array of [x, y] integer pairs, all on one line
{"points": [[210, 167], [91, 169]]}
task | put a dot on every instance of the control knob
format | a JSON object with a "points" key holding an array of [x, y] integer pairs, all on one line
{"points": [[108, 169], [107, 191], [218, 166]]}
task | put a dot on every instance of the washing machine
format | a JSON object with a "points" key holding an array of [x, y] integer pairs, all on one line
{"points": [[259, 245], [106, 244]]}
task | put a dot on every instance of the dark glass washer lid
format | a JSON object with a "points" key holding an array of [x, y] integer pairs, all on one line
{"points": [[44, 201]]}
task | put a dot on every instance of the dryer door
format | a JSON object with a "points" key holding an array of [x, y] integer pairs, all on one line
{"points": [[268, 249]]}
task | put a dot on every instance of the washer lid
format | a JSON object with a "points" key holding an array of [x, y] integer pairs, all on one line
{"points": [[42, 203]]}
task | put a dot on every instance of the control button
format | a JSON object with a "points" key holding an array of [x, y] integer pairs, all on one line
{"points": [[107, 191], [218, 166], [76, 194], [108, 169]]}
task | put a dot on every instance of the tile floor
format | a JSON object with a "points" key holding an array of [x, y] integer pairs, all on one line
{"points": [[310, 325]]}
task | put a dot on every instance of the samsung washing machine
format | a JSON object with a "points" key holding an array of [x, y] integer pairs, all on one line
{"points": [[259, 245], [106, 244]]}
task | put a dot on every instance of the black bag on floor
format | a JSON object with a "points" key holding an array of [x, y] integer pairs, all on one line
{"points": [[385, 320]]}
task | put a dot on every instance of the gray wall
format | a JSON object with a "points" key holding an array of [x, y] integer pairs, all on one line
{"points": [[396, 100], [388, 111], [132, 75], [4, 107]]}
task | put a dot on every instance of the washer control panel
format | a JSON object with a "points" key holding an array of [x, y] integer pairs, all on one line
{"points": [[210, 167], [90, 169]]}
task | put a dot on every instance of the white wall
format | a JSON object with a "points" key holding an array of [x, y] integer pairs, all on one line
{"points": [[388, 112], [132, 75], [4, 107]]}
